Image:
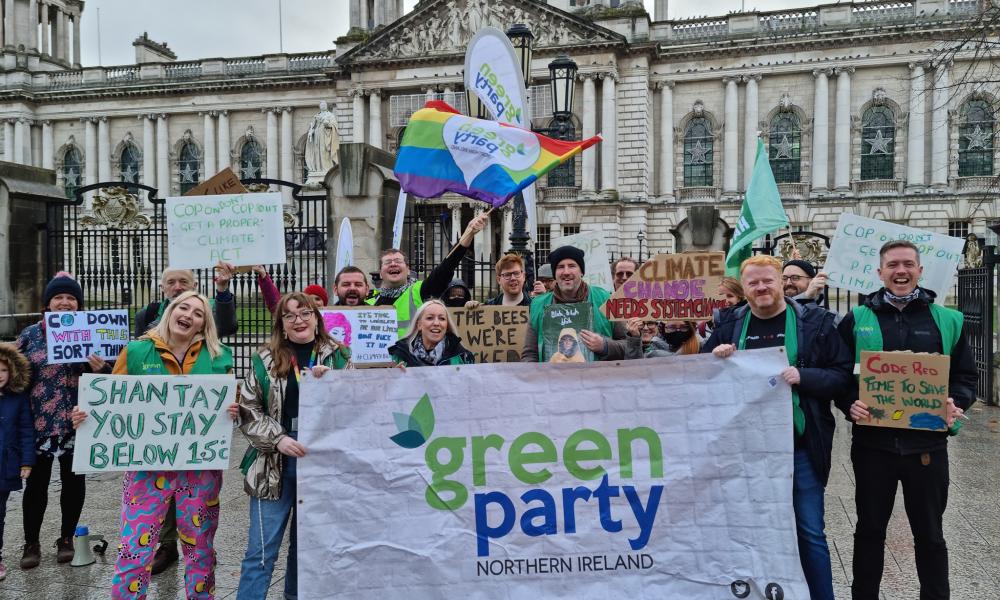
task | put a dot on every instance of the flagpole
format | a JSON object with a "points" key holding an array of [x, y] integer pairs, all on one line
{"points": [[455, 247]]}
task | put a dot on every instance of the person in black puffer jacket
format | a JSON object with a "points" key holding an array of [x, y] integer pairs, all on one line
{"points": [[432, 341]]}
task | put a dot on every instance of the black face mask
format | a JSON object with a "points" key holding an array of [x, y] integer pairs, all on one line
{"points": [[676, 338], [455, 302]]}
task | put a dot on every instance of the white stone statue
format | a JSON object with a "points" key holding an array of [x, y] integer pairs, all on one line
{"points": [[322, 142]]}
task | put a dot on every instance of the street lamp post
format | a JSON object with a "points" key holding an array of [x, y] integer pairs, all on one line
{"points": [[641, 236], [562, 72]]}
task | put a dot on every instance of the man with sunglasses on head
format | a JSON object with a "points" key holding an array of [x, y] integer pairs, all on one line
{"points": [[621, 270]]}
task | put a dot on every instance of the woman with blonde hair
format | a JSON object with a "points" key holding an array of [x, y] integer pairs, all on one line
{"points": [[269, 417], [184, 342], [432, 341]]}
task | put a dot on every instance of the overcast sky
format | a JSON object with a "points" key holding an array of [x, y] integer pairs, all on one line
{"points": [[214, 28]]}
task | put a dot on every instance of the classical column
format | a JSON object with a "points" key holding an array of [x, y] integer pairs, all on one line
{"points": [[375, 118], [60, 37], [19, 140], [272, 143], [103, 150], [32, 24], [162, 157], [430, 94], [9, 33], [667, 139], [8, 140], [750, 126], [148, 150], [939, 127], [589, 166], [731, 137], [821, 131], [208, 138], [842, 130], [609, 147], [90, 148], [45, 18], [915, 131], [48, 146], [32, 144], [287, 146], [76, 40], [225, 158], [358, 115]]}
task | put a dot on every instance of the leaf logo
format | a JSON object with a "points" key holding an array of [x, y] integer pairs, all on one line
{"points": [[416, 427]]}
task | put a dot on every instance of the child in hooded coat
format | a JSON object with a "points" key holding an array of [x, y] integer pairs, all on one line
{"points": [[17, 433]]}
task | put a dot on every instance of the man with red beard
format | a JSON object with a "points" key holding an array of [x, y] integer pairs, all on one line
{"points": [[819, 370], [351, 286], [904, 316]]}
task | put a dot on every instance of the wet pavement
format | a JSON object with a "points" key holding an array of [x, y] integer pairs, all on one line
{"points": [[972, 528]]}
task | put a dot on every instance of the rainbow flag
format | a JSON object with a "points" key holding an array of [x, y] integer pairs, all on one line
{"points": [[444, 151]]}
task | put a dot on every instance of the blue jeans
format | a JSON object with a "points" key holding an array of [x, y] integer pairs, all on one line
{"points": [[267, 528], [814, 554]]}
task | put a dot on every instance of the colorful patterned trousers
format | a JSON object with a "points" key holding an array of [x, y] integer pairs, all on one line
{"points": [[144, 506]]}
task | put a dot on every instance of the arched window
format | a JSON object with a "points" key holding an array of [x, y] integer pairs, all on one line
{"points": [[878, 137], [975, 139], [128, 164], [188, 164], [698, 156], [72, 169], [784, 148], [251, 160]]}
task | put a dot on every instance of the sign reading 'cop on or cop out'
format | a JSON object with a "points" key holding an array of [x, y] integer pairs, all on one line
{"points": [[241, 229]]}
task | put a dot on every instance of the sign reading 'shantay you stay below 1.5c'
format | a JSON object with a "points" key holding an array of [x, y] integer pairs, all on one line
{"points": [[154, 422], [241, 229]]}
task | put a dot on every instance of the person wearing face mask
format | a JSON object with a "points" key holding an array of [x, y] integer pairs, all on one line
{"points": [[432, 341], [649, 339], [268, 417], [457, 294], [185, 342], [901, 316], [52, 393], [819, 369]]}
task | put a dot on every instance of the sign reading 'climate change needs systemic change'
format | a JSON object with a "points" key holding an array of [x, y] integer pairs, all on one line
{"points": [[538, 481]]}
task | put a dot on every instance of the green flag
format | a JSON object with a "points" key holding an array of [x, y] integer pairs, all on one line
{"points": [[760, 215]]}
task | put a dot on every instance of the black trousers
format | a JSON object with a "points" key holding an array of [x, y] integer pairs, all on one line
{"points": [[925, 496], [36, 496]]}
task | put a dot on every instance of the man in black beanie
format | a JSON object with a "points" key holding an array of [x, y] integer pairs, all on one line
{"points": [[801, 282]]}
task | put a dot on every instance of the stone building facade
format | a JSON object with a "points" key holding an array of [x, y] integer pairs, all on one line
{"points": [[857, 107]]}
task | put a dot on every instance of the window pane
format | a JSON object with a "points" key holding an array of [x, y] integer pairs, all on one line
{"points": [[785, 147], [698, 154], [71, 170], [251, 160], [975, 140], [878, 138], [187, 167], [128, 165]]}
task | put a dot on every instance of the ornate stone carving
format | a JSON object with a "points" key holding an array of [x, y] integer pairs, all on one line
{"points": [[322, 142], [811, 249], [973, 254], [785, 102], [698, 109], [445, 27], [879, 96], [115, 208]]}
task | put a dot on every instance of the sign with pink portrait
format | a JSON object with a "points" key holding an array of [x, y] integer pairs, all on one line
{"points": [[369, 331]]}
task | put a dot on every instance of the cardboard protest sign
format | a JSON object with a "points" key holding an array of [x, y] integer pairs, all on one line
{"points": [[671, 287], [154, 422], [70, 337], [369, 331], [905, 390], [242, 229], [526, 481], [223, 182], [595, 255], [493, 333], [561, 325], [853, 260]]}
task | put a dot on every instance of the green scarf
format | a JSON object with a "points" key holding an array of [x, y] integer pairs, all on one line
{"points": [[792, 350]]}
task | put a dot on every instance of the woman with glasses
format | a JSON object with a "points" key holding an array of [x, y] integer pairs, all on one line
{"points": [[649, 339], [269, 415]]}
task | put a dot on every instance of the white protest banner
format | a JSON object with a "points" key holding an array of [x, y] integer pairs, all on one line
{"points": [[853, 260], [369, 331], [70, 337], [493, 72], [242, 229], [345, 246], [154, 422], [397, 222], [595, 251], [660, 478]]}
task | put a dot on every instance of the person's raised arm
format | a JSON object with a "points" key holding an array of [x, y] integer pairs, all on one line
{"points": [[267, 288], [438, 279]]}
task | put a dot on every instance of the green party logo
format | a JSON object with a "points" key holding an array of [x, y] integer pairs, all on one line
{"points": [[415, 428]]}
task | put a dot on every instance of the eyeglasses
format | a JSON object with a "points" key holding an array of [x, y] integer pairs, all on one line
{"points": [[393, 261], [292, 317], [795, 278], [649, 325], [511, 275], [624, 274]]}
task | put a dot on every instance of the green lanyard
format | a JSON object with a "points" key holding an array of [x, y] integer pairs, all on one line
{"points": [[792, 350]]}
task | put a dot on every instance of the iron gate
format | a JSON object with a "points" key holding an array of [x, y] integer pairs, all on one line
{"points": [[976, 297], [118, 250]]}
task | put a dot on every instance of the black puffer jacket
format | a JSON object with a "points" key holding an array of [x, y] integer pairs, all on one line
{"points": [[454, 353], [825, 369]]}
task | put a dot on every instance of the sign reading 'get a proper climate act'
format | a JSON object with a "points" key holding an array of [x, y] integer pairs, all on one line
{"points": [[154, 422], [241, 229], [572, 481]]}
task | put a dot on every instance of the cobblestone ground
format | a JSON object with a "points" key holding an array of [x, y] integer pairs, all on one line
{"points": [[972, 527]]}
